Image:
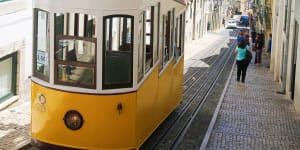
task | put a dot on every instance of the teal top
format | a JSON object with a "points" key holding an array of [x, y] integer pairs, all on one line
{"points": [[241, 53]]}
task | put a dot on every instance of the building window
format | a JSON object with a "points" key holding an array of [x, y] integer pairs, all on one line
{"points": [[8, 71], [41, 45], [117, 51], [75, 50]]}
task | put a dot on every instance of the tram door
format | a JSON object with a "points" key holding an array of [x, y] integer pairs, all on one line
{"points": [[294, 60]]}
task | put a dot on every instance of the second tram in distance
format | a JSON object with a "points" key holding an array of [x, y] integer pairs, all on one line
{"points": [[106, 73]]}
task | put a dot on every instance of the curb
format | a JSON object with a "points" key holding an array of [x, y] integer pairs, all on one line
{"points": [[214, 118]]}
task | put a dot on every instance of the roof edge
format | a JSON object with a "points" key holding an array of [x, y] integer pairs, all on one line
{"points": [[183, 2]]}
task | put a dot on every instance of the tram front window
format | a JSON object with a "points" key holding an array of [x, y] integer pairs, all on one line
{"points": [[75, 50], [117, 53], [75, 75]]}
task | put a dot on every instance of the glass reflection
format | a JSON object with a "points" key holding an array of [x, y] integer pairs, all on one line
{"points": [[75, 50], [76, 75]]}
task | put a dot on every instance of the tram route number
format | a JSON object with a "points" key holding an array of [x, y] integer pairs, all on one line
{"points": [[42, 57]]}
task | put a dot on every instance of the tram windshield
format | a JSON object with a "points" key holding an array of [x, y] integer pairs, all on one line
{"points": [[75, 50]]}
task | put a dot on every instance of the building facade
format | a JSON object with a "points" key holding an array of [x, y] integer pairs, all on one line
{"points": [[15, 43], [285, 48], [202, 16]]}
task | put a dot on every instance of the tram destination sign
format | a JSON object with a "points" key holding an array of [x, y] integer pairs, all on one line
{"points": [[42, 57]]}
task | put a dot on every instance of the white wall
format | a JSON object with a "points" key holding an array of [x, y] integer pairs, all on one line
{"points": [[297, 80]]}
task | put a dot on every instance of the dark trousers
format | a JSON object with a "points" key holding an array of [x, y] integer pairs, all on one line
{"points": [[258, 53], [242, 66]]}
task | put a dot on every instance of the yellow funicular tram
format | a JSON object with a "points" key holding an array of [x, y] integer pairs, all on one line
{"points": [[106, 73]]}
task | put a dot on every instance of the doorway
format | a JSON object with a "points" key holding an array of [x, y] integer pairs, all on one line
{"points": [[284, 67], [294, 60]]}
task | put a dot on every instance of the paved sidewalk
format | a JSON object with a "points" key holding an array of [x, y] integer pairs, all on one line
{"points": [[14, 127], [12, 6], [14, 122], [253, 116], [199, 49]]}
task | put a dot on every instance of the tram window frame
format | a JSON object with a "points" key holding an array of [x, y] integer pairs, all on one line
{"points": [[149, 33], [162, 45], [141, 46], [82, 54], [124, 52], [156, 50], [41, 56]]}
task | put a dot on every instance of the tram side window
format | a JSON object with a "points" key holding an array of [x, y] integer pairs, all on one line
{"points": [[166, 39], [149, 26], [75, 50], [172, 33], [117, 51], [178, 37], [41, 46], [182, 32], [157, 26]]}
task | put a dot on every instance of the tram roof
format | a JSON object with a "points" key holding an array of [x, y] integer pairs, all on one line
{"points": [[99, 4]]}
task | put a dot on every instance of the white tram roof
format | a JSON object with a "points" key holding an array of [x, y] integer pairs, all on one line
{"points": [[100, 4]]}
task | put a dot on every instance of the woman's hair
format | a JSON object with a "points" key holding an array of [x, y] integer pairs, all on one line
{"points": [[247, 35], [240, 33], [242, 44]]}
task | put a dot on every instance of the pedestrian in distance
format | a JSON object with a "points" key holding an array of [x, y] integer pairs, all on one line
{"points": [[247, 38], [269, 50], [270, 44], [240, 37], [262, 35], [241, 60], [253, 36], [259, 43]]}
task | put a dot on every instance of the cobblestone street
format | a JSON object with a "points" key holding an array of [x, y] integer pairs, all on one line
{"points": [[254, 116], [14, 127]]}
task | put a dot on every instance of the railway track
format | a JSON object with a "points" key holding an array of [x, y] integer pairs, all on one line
{"points": [[198, 84]]}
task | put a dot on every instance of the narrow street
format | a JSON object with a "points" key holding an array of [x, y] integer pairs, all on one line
{"points": [[155, 47]]}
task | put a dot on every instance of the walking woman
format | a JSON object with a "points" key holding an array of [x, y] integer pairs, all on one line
{"points": [[242, 63]]}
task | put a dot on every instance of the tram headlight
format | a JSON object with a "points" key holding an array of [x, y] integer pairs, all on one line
{"points": [[73, 120]]}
